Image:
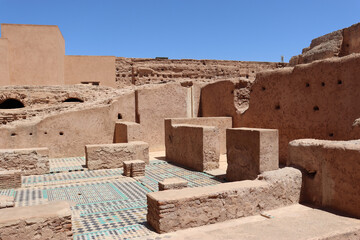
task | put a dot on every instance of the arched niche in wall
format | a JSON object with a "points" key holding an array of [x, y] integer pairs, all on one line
{"points": [[11, 103], [73, 99]]}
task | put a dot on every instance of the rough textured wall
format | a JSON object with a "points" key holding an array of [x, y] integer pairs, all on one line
{"points": [[330, 173], [4, 62], [36, 54], [107, 156], [336, 44], [138, 71], [172, 210], [31, 161], [154, 104], [66, 133], [49, 221], [83, 69], [317, 100]]}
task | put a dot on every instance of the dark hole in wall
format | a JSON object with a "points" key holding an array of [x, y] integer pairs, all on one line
{"points": [[307, 85], [73, 100], [323, 84], [316, 108], [11, 103], [277, 106], [339, 82], [61, 133], [331, 134], [119, 116]]}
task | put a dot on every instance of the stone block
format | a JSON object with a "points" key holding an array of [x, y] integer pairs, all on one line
{"points": [[172, 183], [47, 221], [193, 146], [31, 161], [222, 123], [107, 156], [10, 179], [134, 168], [251, 151], [7, 201], [127, 132], [172, 210]]}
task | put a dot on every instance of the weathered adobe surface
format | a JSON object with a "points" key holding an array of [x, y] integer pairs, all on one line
{"points": [[316, 100], [336, 44], [43, 101], [49, 221], [139, 71], [330, 173]]}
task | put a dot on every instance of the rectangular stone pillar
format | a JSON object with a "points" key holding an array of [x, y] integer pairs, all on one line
{"points": [[251, 151]]}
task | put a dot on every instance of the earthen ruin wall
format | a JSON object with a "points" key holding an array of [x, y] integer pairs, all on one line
{"points": [[317, 100], [4, 62], [330, 173], [172, 210], [66, 134], [49, 221], [30, 161], [83, 69], [139, 71], [36, 54]]}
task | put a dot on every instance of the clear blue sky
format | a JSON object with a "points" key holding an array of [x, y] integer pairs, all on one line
{"points": [[252, 30]]}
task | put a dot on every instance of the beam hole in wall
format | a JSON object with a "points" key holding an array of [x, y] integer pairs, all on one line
{"points": [[73, 100], [45, 133], [13, 134], [61, 133], [316, 108], [30, 134], [263, 88], [339, 82], [331, 134], [307, 85], [119, 116], [311, 174], [277, 107], [323, 84], [11, 103]]}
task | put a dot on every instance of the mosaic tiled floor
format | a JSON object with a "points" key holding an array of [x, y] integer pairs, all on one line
{"points": [[69, 177], [105, 208], [159, 170], [67, 164]]}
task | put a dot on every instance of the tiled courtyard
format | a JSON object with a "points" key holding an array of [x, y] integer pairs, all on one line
{"points": [[105, 204]]}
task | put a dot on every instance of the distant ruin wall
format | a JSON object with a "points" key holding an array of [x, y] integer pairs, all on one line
{"points": [[4, 62], [317, 100], [35, 54], [90, 69], [139, 71], [336, 44]]}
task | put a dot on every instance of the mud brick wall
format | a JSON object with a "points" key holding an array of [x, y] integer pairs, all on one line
{"points": [[330, 173], [107, 156], [172, 210], [31, 161], [50, 221]]}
